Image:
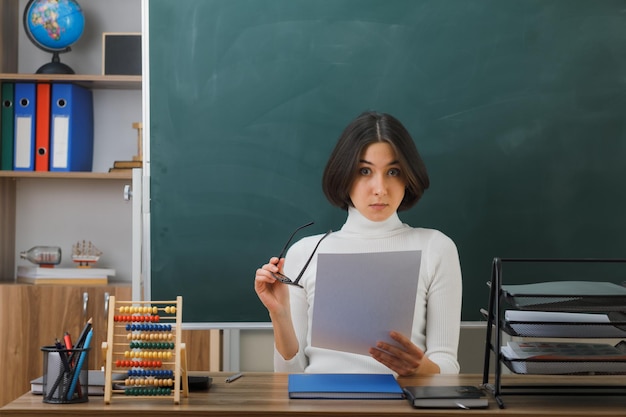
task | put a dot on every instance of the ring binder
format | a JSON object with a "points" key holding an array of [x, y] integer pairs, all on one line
{"points": [[71, 143]]}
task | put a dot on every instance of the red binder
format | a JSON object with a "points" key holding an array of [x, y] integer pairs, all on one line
{"points": [[42, 128]]}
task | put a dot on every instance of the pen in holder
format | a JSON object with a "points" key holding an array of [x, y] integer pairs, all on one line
{"points": [[65, 375]]}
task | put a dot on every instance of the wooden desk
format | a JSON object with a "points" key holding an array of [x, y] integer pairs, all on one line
{"points": [[265, 394]]}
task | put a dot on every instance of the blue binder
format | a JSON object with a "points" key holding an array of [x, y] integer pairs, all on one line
{"points": [[71, 131], [344, 386], [24, 127]]}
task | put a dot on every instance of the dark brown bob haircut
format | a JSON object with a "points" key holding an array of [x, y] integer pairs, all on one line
{"points": [[372, 127]]}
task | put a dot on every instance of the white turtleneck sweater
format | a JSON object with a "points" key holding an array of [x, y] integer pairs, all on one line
{"points": [[437, 319]]}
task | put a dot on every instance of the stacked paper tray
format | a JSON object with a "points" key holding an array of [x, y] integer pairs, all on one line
{"points": [[565, 368], [568, 296], [564, 358], [569, 325]]}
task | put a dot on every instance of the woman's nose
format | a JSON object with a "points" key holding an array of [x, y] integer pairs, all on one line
{"points": [[378, 185]]}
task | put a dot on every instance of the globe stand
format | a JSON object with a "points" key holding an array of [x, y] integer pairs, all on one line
{"points": [[55, 66]]}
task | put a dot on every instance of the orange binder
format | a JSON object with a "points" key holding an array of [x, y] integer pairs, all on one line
{"points": [[42, 128]]}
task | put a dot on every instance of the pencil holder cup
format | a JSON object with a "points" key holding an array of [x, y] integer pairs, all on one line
{"points": [[65, 375]]}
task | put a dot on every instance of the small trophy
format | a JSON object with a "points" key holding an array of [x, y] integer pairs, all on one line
{"points": [[137, 161]]}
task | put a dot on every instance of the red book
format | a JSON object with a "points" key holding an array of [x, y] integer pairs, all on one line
{"points": [[42, 128]]}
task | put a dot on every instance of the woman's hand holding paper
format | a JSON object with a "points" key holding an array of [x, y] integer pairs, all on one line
{"points": [[406, 359]]}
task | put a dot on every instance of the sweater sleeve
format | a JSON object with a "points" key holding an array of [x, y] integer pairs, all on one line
{"points": [[300, 324], [296, 255], [443, 309]]}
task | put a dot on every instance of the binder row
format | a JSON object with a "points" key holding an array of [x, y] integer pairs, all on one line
{"points": [[46, 127]]}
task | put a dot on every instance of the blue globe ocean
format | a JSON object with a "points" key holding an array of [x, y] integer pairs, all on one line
{"points": [[54, 24]]}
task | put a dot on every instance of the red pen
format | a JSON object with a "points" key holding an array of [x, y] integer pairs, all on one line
{"points": [[68, 346], [68, 341]]}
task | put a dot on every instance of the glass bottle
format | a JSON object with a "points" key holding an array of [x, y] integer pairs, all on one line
{"points": [[43, 255]]}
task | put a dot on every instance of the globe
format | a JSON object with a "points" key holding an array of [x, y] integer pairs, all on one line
{"points": [[54, 25]]}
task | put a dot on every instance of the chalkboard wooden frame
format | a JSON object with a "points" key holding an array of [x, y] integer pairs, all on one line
{"points": [[516, 106]]}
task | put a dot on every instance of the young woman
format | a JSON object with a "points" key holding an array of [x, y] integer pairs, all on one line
{"points": [[374, 171]]}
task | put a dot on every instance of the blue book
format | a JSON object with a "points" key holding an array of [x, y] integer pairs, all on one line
{"points": [[344, 386], [71, 133], [24, 127]]}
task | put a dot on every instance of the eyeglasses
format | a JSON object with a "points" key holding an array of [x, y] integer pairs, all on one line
{"points": [[283, 278]]}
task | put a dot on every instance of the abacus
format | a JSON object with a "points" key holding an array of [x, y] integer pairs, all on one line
{"points": [[144, 344]]}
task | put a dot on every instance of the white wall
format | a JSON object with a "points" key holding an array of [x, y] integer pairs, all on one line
{"points": [[60, 212], [257, 349]]}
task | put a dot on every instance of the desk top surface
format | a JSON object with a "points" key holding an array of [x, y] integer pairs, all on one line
{"points": [[265, 394]]}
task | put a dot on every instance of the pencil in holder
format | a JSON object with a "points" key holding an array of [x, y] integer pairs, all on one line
{"points": [[65, 375]]}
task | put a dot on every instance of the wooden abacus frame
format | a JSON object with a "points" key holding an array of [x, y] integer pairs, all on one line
{"points": [[118, 335]]}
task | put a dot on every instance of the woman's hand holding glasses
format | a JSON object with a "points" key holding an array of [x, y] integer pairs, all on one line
{"points": [[273, 295], [276, 297]]}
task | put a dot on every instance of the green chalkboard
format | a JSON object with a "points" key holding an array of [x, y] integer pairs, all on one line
{"points": [[518, 108]]}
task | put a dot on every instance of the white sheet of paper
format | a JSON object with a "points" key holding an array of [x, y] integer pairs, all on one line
{"points": [[361, 297]]}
